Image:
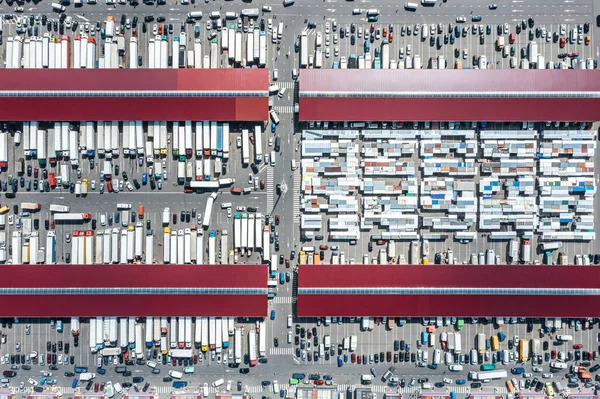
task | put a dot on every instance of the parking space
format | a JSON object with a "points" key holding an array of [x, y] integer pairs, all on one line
{"points": [[462, 42]]}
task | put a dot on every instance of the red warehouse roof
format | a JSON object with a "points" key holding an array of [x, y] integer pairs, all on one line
{"points": [[449, 95], [121, 290], [449, 290], [134, 94]]}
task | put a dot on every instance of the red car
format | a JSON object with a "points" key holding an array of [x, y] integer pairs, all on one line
{"points": [[262, 184], [96, 387], [562, 42], [195, 359], [252, 139], [359, 359], [384, 32], [109, 186], [553, 354], [126, 356], [372, 28], [35, 172], [391, 37], [277, 220], [48, 358], [319, 382], [353, 358], [174, 218], [287, 262], [577, 346], [174, 362]]}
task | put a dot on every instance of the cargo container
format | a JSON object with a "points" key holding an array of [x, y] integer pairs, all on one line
{"points": [[252, 348], [212, 247], [123, 342], [212, 331]]}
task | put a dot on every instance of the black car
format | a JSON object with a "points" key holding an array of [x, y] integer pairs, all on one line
{"points": [[254, 168], [531, 22], [136, 183], [244, 371], [476, 385], [396, 345]]}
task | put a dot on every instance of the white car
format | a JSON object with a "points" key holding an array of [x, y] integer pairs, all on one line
{"points": [[240, 208], [155, 29], [32, 381], [447, 381], [250, 178], [228, 385], [10, 219], [238, 141], [465, 54], [267, 8], [228, 212], [275, 74], [335, 38], [563, 29], [59, 359], [336, 51], [327, 52], [19, 9], [327, 37], [270, 141], [129, 186], [327, 27], [506, 28]]}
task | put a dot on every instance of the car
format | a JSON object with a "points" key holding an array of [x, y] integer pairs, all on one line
{"points": [[493, 6], [277, 220], [476, 18]]}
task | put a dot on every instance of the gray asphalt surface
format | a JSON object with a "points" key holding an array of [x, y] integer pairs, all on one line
{"points": [[281, 362]]}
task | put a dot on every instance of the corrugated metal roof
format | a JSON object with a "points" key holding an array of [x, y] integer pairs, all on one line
{"points": [[139, 276], [373, 81], [127, 305], [137, 108], [480, 276], [447, 305], [167, 276], [230, 79], [448, 109]]}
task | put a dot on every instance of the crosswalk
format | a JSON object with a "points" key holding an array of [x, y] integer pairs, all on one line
{"points": [[270, 190], [286, 85], [296, 210], [281, 351], [282, 299], [284, 109]]}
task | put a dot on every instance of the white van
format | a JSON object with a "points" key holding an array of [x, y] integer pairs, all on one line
{"points": [[287, 3], [231, 15], [215, 15], [103, 219], [195, 14], [226, 205], [281, 93], [274, 117], [411, 6], [564, 337], [357, 11], [373, 12], [272, 158], [294, 167], [58, 7], [127, 206], [558, 365], [273, 89], [175, 374], [218, 383], [455, 367]]}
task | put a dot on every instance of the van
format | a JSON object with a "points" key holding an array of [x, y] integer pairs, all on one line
{"points": [[455, 367], [366, 379], [273, 89], [558, 365], [188, 370], [218, 383], [272, 158], [278, 143], [411, 6], [179, 384], [58, 7], [231, 15], [215, 15], [427, 385], [226, 205], [287, 3], [274, 117], [175, 374], [141, 211], [123, 206], [195, 14], [281, 92], [294, 166], [373, 12], [564, 338]]}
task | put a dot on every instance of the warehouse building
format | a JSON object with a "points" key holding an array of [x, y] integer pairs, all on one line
{"points": [[134, 94], [123, 290], [501, 95], [448, 290]]}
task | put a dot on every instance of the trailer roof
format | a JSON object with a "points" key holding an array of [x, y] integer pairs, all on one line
{"points": [[121, 290]]}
